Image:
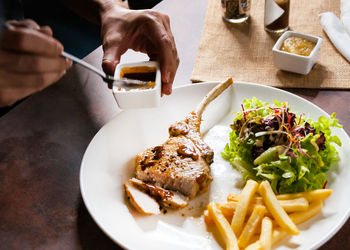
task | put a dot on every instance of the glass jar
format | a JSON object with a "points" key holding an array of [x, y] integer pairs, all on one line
{"points": [[276, 16], [235, 11]]}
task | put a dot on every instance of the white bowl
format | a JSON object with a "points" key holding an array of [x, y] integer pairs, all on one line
{"points": [[293, 62], [138, 98]]}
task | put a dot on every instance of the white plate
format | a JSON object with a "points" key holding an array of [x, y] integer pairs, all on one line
{"points": [[109, 161]]}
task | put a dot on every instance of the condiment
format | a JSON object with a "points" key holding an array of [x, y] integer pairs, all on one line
{"points": [[188, 150], [235, 11], [276, 16], [298, 45], [143, 73]]}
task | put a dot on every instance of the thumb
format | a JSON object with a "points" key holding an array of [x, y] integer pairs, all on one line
{"points": [[110, 60]]}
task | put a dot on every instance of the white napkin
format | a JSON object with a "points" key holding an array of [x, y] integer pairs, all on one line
{"points": [[338, 31], [345, 14]]}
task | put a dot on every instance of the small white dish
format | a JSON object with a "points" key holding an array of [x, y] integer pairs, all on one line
{"points": [[293, 62], [138, 97]]}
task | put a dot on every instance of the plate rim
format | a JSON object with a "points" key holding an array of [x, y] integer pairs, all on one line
{"points": [[120, 243]]}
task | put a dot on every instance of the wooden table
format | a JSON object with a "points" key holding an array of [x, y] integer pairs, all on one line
{"points": [[43, 139]]}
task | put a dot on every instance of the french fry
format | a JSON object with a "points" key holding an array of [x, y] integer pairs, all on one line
{"points": [[300, 217], [266, 233], [278, 234], [318, 194], [235, 198], [259, 232], [207, 219], [255, 237], [274, 223], [254, 246], [251, 225], [242, 206], [289, 205], [298, 204], [223, 226], [275, 208], [229, 208]]}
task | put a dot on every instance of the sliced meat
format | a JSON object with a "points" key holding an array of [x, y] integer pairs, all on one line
{"points": [[142, 202], [165, 197]]}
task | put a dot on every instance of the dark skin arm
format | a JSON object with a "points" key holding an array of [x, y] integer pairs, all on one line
{"points": [[146, 31]]}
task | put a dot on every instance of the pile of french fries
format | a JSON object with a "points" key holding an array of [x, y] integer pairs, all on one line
{"points": [[258, 219]]}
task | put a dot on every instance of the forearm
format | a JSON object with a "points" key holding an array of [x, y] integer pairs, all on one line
{"points": [[93, 10]]}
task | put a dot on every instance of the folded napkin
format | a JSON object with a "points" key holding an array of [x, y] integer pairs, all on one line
{"points": [[345, 14], [338, 31]]}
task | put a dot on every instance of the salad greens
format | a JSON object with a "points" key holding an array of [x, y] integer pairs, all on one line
{"points": [[269, 142]]}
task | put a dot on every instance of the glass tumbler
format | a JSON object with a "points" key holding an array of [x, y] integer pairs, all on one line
{"points": [[276, 16], [235, 11]]}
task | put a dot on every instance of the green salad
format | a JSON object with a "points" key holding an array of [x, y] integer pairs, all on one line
{"points": [[270, 142]]}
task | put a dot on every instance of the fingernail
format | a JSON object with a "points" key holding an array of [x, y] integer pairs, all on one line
{"points": [[166, 89], [68, 63], [59, 48], [167, 76], [109, 66]]}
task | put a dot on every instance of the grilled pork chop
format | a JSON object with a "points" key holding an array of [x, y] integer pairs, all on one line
{"points": [[182, 163]]}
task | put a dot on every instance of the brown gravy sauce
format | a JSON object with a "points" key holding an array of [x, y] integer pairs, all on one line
{"points": [[188, 150], [143, 76], [143, 73], [179, 128], [158, 193]]}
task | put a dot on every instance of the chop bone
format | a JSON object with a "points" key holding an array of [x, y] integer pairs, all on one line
{"points": [[182, 163]]}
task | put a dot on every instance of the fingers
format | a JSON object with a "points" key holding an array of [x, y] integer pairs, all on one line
{"points": [[46, 30], [32, 63], [113, 49], [108, 65], [30, 60], [113, 35], [26, 23], [31, 24], [31, 40], [167, 54]]}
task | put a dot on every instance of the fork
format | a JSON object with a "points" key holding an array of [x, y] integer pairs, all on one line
{"points": [[112, 81]]}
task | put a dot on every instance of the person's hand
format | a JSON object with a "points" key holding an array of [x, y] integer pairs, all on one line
{"points": [[146, 31], [30, 60]]}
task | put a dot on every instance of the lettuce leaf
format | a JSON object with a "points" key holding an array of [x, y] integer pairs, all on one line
{"points": [[303, 169]]}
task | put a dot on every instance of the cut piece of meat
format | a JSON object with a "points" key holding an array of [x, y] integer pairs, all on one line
{"points": [[142, 202], [182, 163], [165, 197]]}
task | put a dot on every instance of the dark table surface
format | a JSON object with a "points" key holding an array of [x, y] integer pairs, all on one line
{"points": [[43, 139]]}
